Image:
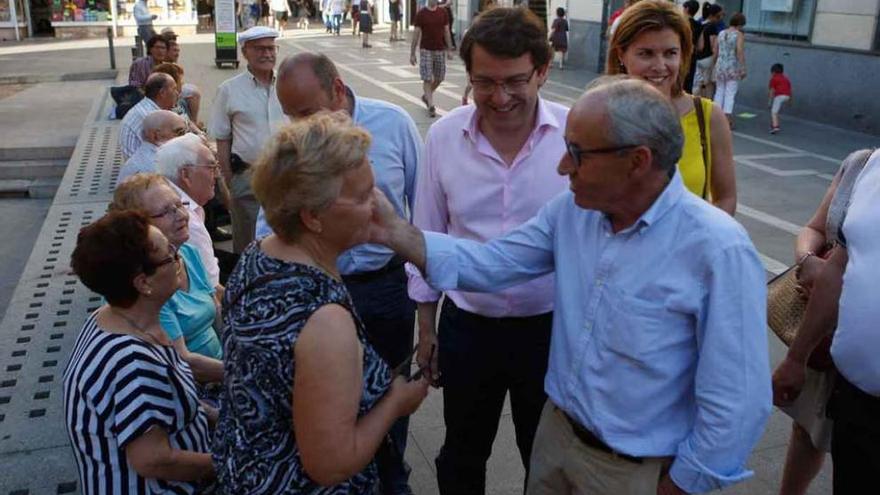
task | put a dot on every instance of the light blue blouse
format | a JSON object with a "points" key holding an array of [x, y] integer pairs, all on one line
{"points": [[191, 313]]}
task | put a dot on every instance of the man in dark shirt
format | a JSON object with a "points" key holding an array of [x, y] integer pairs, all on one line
{"points": [[690, 8], [432, 38]]}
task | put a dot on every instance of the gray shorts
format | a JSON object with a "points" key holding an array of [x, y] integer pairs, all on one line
{"points": [[432, 65]]}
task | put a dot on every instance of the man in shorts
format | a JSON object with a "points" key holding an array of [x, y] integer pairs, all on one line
{"points": [[431, 36]]}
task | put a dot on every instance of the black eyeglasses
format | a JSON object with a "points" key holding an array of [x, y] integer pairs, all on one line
{"points": [[174, 257], [514, 85], [576, 153]]}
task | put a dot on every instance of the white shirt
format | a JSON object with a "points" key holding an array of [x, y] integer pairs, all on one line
{"points": [[280, 6], [143, 161], [199, 237], [857, 340], [142, 14], [246, 112], [132, 126]]}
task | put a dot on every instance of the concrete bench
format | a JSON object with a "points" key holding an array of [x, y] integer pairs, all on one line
{"points": [[44, 317]]}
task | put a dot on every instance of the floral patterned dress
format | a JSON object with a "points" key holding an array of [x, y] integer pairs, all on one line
{"points": [[727, 66]]}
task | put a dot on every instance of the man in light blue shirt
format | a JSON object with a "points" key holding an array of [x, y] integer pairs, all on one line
{"points": [[658, 379], [308, 83]]}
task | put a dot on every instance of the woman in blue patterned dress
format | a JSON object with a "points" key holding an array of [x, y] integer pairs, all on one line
{"points": [[306, 400]]}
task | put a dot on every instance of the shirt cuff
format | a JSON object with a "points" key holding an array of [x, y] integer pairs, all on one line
{"points": [[419, 290], [693, 477]]}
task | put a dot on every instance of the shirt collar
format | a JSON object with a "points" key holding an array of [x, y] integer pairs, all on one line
{"points": [[671, 195], [544, 118], [356, 109], [256, 81]]}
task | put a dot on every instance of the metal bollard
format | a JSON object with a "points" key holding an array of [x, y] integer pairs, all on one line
{"points": [[112, 51]]}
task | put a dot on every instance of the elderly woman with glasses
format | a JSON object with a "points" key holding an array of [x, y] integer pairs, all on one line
{"points": [[306, 399], [191, 314], [131, 410]]}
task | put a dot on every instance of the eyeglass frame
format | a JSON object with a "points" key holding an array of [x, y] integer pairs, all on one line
{"points": [[174, 257], [575, 153], [215, 167], [171, 210], [263, 48], [503, 84]]}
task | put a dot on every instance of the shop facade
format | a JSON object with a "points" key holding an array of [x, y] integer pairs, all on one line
{"points": [[70, 19]]}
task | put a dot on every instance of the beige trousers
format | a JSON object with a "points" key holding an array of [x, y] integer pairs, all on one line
{"points": [[562, 464], [244, 210]]}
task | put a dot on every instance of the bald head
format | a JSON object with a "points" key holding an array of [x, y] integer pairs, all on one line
{"points": [[633, 113], [309, 82], [161, 126], [162, 89]]}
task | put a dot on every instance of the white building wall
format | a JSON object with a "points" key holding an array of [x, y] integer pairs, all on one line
{"points": [[845, 23]]}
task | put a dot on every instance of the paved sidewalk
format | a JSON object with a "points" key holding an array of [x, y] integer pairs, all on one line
{"points": [[383, 72]]}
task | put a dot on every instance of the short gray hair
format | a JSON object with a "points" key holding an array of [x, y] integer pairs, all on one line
{"points": [[179, 152], [641, 115]]}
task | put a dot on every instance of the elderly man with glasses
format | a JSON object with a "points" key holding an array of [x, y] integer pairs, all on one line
{"points": [[488, 168], [659, 378], [246, 113], [192, 171]]}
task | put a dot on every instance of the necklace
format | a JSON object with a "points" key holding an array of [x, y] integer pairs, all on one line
{"points": [[141, 330]]}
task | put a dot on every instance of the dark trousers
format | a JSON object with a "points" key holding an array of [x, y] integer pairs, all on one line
{"points": [[855, 439], [389, 317], [481, 359]]}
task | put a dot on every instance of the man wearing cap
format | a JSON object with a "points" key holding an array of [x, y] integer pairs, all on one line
{"points": [[245, 114], [308, 83]]}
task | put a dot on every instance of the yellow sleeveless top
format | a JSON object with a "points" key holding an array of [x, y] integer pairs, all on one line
{"points": [[691, 166]]}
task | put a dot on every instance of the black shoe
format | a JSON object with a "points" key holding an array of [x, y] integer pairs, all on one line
{"points": [[432, 112]]}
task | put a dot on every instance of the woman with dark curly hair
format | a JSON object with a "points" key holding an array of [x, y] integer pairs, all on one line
{"points": [[130, 402]]}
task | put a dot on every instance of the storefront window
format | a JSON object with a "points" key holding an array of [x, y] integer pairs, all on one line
{"points": [[80, 10], [790, 19], [172, 10], [6, 10]]}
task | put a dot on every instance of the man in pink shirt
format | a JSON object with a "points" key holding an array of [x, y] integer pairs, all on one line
{"points": [[488, 168]]}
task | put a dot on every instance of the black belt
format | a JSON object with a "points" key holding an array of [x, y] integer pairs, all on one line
{"points": [[592, 440], [361, 277]]}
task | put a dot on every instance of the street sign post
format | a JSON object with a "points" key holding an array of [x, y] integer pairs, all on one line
{"points": [[225, 42]]}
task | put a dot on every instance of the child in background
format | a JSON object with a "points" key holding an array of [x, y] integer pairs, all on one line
{"points": [[780, 92], [559, 36]]}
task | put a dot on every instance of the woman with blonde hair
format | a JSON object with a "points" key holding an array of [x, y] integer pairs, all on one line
{"points": [[306, 400], [653, 42]]}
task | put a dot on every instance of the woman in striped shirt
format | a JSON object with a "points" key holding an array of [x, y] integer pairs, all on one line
{"points": [[133, 418]]}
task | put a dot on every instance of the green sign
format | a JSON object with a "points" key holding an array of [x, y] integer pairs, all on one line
{"points": [[225, 40]]}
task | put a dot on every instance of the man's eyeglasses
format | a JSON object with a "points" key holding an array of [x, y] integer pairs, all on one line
{"points": [[576, 153], [175, 209], [511, 86], [215, 167]]}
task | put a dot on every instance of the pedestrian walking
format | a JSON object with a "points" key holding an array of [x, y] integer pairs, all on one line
{"points": [[559, 37], [488, 168], [690, 9], [431, 38], [779, 95], [395, 14], [355, 16], [651, 42], [337, 9], [280, 14], [365, 13], [704, 84], [144, 20], [730, 64]]}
